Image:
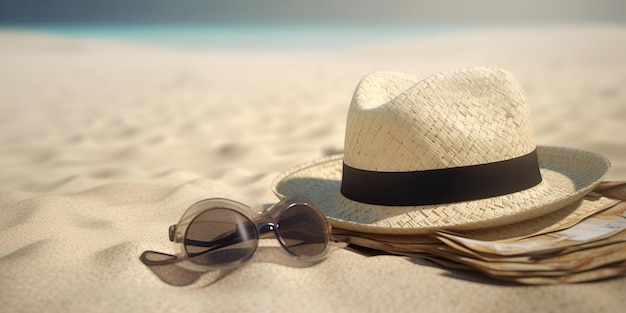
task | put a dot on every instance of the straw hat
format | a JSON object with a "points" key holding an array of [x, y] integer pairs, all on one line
{"points": [[453, 151]]}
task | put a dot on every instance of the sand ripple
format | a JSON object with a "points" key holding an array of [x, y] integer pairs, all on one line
{"points": [[103, 146]]}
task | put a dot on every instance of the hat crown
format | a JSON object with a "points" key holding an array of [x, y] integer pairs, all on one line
{"points": [[459, 118]]}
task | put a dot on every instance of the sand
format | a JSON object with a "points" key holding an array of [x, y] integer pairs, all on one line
{"points": [[104, 144]]}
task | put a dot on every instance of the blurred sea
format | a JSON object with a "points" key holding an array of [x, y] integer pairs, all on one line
{"points": [[260, 37]]}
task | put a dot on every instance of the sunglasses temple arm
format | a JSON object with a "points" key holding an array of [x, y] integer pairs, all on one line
{"points": [[158, 258], [232, 238], [172, 232]]}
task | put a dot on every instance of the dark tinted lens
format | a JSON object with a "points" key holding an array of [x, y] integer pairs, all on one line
{"points": [[219, 237], [302, 231]]}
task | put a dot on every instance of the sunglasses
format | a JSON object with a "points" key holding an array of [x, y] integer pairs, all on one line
{"points": [[221, 233]]}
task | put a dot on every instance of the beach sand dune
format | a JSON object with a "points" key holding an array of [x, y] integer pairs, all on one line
{"points": [[104, 144]]}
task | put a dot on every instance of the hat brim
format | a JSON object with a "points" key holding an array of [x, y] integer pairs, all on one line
{"points": [[567, 176]]}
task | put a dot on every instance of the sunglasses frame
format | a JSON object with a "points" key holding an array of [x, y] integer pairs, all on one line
{"points": [[268, 218]]}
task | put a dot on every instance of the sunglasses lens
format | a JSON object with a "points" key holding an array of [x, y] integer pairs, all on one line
{"points": [[219, 237], [303, 231]]}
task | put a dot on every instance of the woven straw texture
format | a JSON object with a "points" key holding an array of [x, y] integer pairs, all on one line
{"points": [[459, 118], [464, 117]]}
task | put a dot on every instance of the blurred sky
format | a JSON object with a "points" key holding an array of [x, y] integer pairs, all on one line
{"points": [[336, 12]]}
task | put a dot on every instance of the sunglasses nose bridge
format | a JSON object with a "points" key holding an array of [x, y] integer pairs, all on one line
{"points": [[267, 229]]}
